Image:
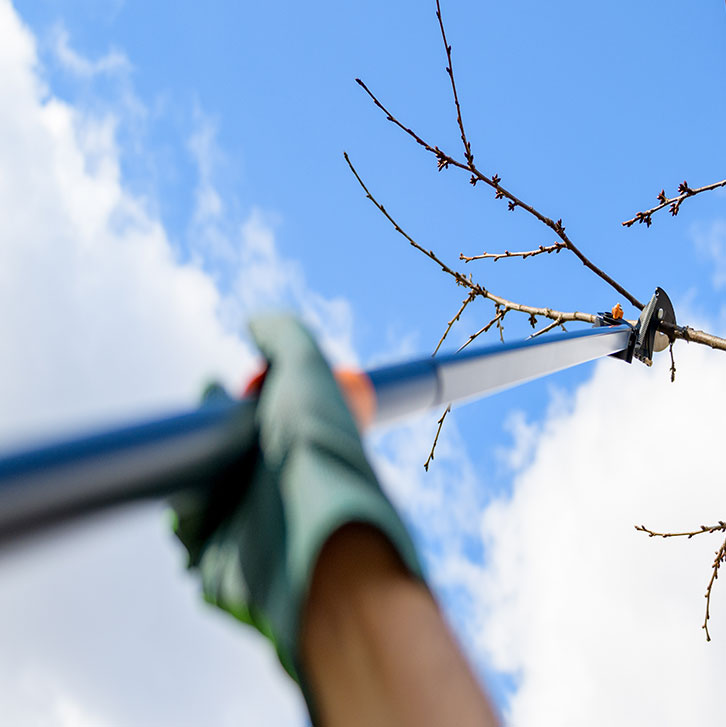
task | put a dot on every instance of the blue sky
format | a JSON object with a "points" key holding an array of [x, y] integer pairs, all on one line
{"points": [[586, 113], [215, 134]]}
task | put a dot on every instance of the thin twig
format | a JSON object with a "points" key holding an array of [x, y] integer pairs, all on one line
{"points": [[673, 202], [450, 71], [444, 161], [497, 318], [389, 117], [688, 534], [500, 326], [524, 255], [465, 303], [436, 438], [673, 363]]}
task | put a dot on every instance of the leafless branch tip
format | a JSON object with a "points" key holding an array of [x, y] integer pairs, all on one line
{"points": [[673, 203], [436, 438]]}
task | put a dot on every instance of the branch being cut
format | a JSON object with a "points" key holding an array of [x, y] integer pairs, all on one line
{"points": [[686, 333], [524, 255], [674, 203], [715, 566]]}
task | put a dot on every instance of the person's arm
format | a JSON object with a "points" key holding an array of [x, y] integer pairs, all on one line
{"points": [[375, 647], [279, 544]]}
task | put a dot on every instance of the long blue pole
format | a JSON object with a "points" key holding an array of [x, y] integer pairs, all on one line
{"points": [[53, 482]]}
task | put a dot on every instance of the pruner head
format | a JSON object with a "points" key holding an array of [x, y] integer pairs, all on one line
{"points": [[647, 337]]}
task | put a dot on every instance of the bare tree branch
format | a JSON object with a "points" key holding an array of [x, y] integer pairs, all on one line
{"points": [[465, 281], [673, 202], [720, 558], [524, 255]]}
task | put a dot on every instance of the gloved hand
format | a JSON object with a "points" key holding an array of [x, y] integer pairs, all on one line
{"points": [[306, 476]]}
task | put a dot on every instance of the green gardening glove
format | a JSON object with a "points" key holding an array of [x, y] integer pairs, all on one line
{"points": [[305, 477]]}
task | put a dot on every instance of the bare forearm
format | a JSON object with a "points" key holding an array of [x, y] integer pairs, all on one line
{"points": [[375, 646]]}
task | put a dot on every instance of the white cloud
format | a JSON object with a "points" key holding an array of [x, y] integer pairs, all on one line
{"points": [[40, 689], [600, 624], [113, 62], [524, 435]]}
